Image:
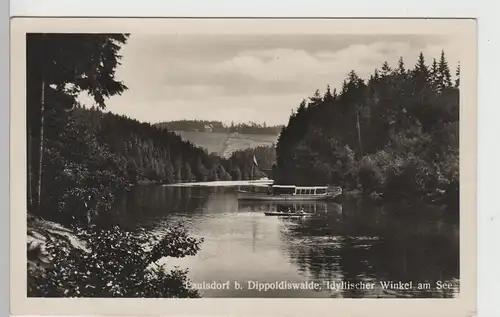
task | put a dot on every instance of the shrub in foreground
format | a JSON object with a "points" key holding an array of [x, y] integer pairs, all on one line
{"points": [[118, 264]]}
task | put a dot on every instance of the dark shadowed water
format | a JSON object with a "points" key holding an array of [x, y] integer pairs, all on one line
{"points": [[348, 250]]}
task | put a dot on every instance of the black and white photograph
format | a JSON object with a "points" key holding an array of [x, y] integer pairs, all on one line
{"points": [[243, 165]]}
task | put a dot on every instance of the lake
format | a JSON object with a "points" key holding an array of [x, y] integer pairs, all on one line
{"points": [[349, 250]]}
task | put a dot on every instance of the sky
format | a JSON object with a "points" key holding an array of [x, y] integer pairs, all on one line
{"points": [[258, 78]]}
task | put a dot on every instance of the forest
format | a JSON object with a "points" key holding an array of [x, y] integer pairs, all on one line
{"points": [[80, 158], [394, 135], [75, 170], [108, 153], [217, 126]]}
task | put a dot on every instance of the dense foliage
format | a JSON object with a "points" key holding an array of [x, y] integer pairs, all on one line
{"points": [[117, 264], [242, 167], [217, 126], [395, 133], [152, 154], [78, 159], [59, 67], [91, 155], [76, 164]]}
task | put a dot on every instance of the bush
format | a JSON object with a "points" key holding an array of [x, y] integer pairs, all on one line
{"points": [[410, 176], [80, 181], [370, 176], [119, 264], [449, 179]]}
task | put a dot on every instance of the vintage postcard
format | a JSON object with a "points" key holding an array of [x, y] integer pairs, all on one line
{"points": [[243, 166]]}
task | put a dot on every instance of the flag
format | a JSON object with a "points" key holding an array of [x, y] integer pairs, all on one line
{"points": [[255, 160]]}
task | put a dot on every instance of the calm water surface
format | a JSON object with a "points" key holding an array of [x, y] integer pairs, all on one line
{"points": [[352, 243]]}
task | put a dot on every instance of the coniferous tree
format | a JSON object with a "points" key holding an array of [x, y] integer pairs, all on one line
{"points": [[132, 171], [169, 171], [188, 175], [236, 173], [420, 73], [316, 98], [457, 74], [434, 75], [344, 87], [385, 69], [444, 77], [201, 170], [335, 95], [400, 70], [328, 95]]}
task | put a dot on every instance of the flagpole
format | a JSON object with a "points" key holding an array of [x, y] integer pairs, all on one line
{"points": [[254, 163]]}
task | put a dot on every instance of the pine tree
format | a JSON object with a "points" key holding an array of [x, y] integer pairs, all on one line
{"points": [[353, 78], [457, 74], [434, 75], [316, 99], [201, 170], [444, 77], [224, 175], [420, 74], [335, 95], [178, 169], [132, 172], [236, 173], [213, 175], [328, 94], [386, 69], [302, 107], [188, 175], [401, 67]]}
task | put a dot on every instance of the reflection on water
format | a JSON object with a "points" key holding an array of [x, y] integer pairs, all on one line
{"points": [[348, 250]]}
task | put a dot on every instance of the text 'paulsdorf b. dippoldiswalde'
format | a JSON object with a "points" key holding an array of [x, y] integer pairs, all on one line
{"points": [[328, 285]]}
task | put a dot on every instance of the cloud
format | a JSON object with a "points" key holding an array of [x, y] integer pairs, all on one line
{"points": [[300, 69], [241, 78]]}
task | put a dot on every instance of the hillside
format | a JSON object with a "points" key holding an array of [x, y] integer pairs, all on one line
{"points": [[219, 127], [224, 144]]}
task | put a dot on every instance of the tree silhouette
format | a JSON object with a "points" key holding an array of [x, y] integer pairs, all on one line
{"points": [[457, 74], [60, 67], [420, 73], [444, 76], [434, 75], [401, 67]]}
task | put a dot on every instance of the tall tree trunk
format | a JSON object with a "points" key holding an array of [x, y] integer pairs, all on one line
{"points": [[34, 76], [40, 161], [30, 170], [358, 126]]}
